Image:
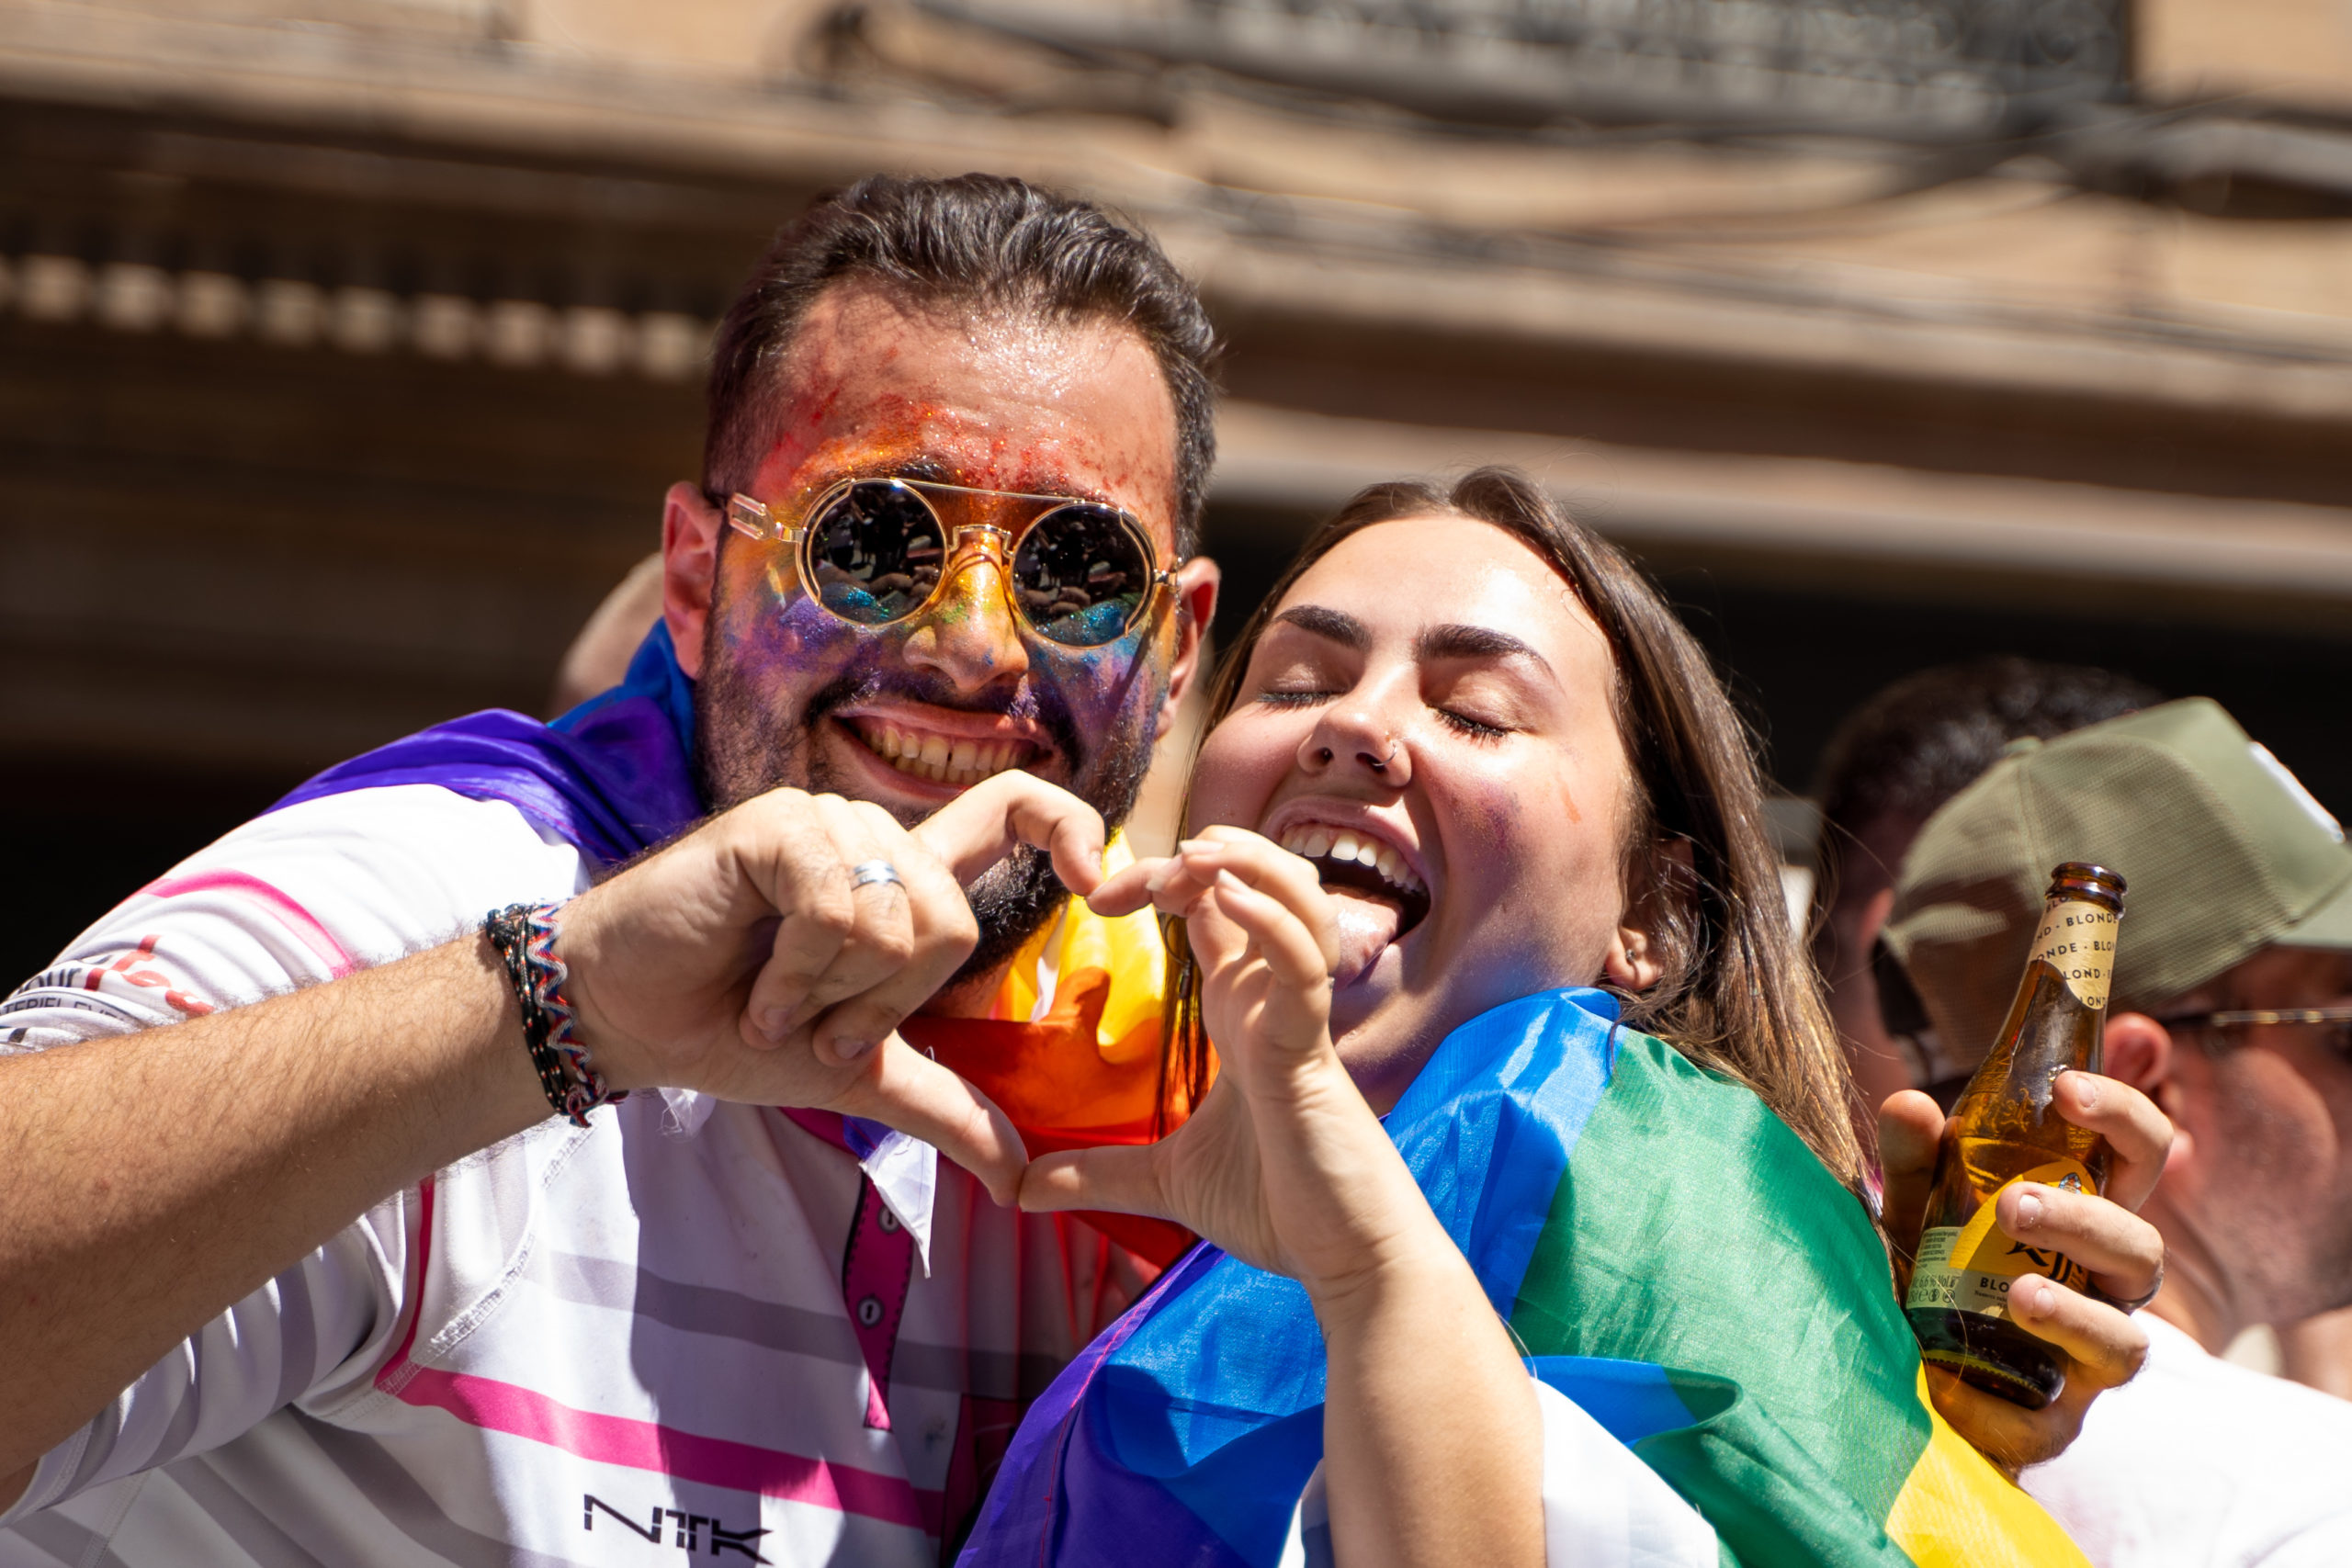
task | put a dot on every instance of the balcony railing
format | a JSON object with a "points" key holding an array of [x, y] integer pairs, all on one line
{"points": [[1906, 67]]}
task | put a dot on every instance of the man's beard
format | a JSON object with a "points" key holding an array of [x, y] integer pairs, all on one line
{"points": [[744, 749]]}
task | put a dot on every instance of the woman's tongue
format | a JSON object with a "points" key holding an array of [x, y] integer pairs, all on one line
{"points": [[1367, 925]]}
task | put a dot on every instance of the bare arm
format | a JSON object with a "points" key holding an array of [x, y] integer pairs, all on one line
{"points": [[156, 1178], [1433, 1446]]}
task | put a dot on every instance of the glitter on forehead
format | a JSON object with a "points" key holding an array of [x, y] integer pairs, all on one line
{"points": [[1067, 408], [1035, 472]]}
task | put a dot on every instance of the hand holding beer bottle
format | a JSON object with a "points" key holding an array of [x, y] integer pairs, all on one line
{"points": [[2008, 1131], [2099, 1345]]}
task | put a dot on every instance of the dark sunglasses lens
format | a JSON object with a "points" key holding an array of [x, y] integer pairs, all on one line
{"points": [[1081, 574], [875, 552]]}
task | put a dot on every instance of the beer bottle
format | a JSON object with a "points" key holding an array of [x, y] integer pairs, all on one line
{"points": [[2003, 1130]]}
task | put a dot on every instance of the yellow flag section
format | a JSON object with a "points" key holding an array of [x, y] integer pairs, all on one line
{"points": [[1082, 951], [1956, 1511]]}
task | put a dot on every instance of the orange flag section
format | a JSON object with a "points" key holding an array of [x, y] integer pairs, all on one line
{"points": [[1085, 1070]]}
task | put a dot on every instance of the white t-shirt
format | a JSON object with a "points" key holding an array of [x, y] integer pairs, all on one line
{"points": [[1602, 1506], [692, 1326], [2200, 1463]]}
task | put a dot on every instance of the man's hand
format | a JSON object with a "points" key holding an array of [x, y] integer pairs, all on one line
{"points": [[158, 1178], [741, 962], [2102, 1347]]}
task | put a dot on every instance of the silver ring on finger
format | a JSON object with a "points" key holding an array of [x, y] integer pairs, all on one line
{"points": [[2136, 1302], [868, 873]]}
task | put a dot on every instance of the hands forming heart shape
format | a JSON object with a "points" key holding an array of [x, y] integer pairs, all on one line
{"points": [[751, 960]]}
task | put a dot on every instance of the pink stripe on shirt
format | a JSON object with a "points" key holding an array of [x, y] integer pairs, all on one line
{"points": [[498, 1406], [645, 1445], [296, 920]]}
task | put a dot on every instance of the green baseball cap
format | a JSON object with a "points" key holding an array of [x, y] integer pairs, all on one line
{"points": [[2225, 853]]}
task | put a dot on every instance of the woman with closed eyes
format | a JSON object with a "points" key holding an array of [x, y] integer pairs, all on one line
{"points": [[1519, 1065]]}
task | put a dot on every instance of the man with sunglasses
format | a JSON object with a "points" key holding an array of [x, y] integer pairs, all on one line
{"points": [[2232, 1009], [923, 618]]}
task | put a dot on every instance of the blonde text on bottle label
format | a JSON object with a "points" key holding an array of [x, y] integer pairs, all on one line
{"points": [[2077, 939], [1970, 1267]]}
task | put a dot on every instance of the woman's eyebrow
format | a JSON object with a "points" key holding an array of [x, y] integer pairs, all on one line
{"points": [[1337, 626], [1458, 642]]}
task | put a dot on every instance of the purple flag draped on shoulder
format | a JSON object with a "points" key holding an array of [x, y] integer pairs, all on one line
{"points": [[613, 776]]}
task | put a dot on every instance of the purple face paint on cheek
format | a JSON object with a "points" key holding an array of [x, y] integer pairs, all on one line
{"points": [[1097, 685], [790, 664], [776, 635]]}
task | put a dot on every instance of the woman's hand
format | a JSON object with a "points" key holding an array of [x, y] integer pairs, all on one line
{"points": [[1283, 1164], [2102, 1347], [1432, 1444]]}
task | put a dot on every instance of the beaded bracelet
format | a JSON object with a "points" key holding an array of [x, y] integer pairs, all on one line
{"points": [[524, 935]]}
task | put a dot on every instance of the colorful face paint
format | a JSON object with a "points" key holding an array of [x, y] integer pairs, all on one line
{"points": [[907, 714]]}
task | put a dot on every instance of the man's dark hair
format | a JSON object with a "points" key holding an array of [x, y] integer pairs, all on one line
{"points": [[977, 241], [1926, 738]]}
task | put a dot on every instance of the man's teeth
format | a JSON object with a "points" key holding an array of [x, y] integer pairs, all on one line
{"points": [[941, 759], [1315, 841]]}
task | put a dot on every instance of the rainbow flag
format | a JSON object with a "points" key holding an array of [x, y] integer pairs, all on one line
{"points": [[1675, 1261]]}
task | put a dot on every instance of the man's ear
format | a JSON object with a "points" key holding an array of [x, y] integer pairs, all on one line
{"points": [[1196, 589], [690, 533], [1636, 959], [2139, 1052]]}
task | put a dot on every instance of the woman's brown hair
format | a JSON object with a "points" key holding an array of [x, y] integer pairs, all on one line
{"points": [[1737, 996]]}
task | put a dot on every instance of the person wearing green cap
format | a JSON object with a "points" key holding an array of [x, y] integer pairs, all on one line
{"points": [[1891, 763], [2232, 1009]]}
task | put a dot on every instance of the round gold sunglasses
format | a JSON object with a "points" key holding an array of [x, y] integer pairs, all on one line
{"points": [[876, 551]]}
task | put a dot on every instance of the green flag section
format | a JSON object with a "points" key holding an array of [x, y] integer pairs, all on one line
{"points": [[1694, 1232]]}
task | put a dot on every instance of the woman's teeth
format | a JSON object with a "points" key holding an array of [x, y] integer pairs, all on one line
{"points": [[943, 760], [1315, 841]]}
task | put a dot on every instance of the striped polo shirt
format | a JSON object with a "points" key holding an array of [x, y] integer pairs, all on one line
{"points": [[693, 1328]]}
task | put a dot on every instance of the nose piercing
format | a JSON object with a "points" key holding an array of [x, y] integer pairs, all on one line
{"points": [[1380, 765]]}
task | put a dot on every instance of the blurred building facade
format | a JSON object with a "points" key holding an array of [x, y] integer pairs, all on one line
{"points": [[348, 345]]}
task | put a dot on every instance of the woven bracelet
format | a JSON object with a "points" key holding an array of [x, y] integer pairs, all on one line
{"points": [[524, 935]]}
